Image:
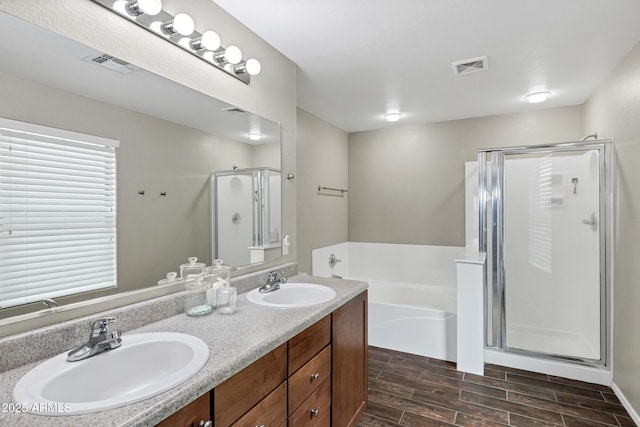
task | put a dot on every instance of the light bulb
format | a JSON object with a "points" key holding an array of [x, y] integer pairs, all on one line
{"points": [[536, 97], [140, 7], [393, 117], [182, 24], [209, 40], [253, 66], [233, 55]]}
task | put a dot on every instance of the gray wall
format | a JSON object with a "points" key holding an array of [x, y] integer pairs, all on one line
{"points": [[406, 183], [614, 111], [322, 160]]}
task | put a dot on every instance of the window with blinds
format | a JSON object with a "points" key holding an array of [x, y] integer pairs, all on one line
{"points": [[57, 213]]}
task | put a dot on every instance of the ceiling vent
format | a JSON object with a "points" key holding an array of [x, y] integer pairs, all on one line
{"points": [[111, 63], [468, 66]]}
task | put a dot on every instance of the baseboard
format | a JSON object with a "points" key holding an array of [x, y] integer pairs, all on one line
{"points": [[632, 412]]}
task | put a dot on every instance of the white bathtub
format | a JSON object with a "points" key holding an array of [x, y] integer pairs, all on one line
{"points": [[412, 293]]}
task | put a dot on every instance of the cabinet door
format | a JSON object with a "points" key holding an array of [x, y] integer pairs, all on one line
{"points": [[190, 415], [349, 362], [234, 397], [269, 412]]}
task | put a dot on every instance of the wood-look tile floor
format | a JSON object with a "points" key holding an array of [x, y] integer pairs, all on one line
{"points": [[415, 391]]}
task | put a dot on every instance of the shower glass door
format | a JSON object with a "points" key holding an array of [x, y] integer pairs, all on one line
{"points": [[549, 250]]}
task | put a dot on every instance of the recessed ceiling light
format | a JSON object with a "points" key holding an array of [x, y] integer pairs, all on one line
{"points": [[393, 117], [255, 136], [536, 97]]}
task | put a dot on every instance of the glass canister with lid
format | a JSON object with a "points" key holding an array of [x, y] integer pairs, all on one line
{"points": [[172, 277], [196, 299], [192, 269], [217, 276]]}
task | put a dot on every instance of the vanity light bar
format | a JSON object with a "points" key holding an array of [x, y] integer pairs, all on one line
{"points": [[180, 31]]}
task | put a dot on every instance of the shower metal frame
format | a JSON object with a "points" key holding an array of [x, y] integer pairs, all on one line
{"points": [[497, 268], [259, 216]]}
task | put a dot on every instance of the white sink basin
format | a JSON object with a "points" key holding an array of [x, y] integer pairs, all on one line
{"points": [[145, 365], [293, 295]]}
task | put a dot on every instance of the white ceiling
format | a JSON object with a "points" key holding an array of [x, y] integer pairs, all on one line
{"points": [[358, 59]]}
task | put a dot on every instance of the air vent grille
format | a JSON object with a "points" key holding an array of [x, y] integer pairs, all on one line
{"points": [[468, 66], [111, 63]]}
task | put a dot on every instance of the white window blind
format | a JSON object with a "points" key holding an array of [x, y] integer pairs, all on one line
{"points": [[57, 212]]}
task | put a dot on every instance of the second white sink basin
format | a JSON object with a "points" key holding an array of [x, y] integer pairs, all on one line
{"points": [[145, 365], [291, 295]]}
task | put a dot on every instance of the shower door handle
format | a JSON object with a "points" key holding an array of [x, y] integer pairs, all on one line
{"points": [[592, 221]]}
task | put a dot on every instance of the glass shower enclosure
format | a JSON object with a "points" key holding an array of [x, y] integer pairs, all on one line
{"points": [[245, 215], [545, 224]]}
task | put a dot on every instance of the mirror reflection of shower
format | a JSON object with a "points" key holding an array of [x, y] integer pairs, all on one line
{"points": [[245, 210]]}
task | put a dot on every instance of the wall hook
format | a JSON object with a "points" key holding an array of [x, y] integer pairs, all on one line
{"points": [[141, 192], [164, 193]]}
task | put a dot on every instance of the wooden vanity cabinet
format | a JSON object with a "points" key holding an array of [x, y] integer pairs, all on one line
{"points": [[195, 414], [349, 352], [317, 379]]}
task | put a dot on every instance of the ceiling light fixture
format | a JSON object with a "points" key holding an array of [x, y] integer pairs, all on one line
{"points": [[180, 30], [393, 117], [255, 136], [536, 97]]}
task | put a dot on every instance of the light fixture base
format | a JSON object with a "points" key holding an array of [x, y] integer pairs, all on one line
{"points": [[150, 25]]}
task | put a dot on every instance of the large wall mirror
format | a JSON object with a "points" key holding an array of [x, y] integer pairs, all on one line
{"points": [[174, 143]]}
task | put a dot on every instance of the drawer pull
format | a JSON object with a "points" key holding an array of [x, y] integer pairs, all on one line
{"points": [[315, 412], [261, 425], [204, 423], [315, 377]]}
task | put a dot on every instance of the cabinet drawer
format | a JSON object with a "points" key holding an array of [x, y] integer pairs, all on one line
{"points": [[308, 378], [269, 412], [190, 415], [308, 343], [318, 403], [234, 397]]}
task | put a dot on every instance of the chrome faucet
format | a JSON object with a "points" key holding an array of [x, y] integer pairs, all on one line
{"points": [[101, 339], [273, 282]]}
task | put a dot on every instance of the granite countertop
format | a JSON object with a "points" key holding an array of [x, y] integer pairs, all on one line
{"points": [[235, 341]]}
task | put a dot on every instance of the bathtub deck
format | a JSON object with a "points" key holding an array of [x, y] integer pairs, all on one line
{"points": [[409, 390]]}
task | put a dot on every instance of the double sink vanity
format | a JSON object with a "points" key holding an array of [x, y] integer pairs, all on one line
{"points": [[296, 356]]}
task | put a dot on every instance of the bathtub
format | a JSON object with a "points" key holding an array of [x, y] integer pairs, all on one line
{"points": [[412, 292]]}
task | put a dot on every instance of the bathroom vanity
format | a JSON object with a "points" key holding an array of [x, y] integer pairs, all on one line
{"points": [[267, 366], [317, 378]]}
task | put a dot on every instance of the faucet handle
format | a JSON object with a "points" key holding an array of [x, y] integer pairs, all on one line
{"points": [[273, 275], [101, 326]]}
